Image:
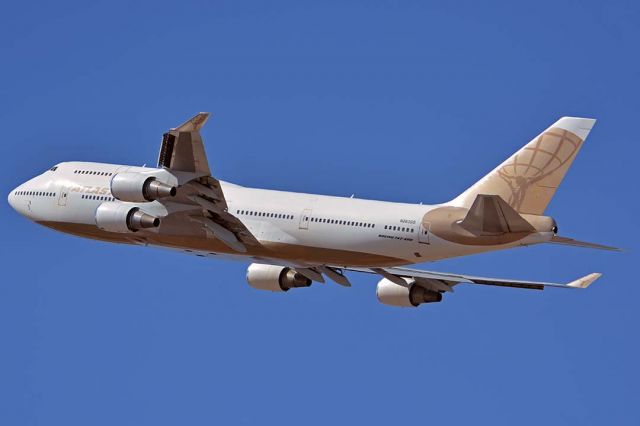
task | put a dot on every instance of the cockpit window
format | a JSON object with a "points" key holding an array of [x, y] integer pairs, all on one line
{"points": [[54, 168]]}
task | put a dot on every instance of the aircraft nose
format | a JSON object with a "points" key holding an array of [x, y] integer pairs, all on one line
{"points": [[14, 201], [11, 198]]}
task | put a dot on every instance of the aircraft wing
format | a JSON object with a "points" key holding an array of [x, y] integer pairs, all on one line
{"points": [[444, 282], [182, 153]]}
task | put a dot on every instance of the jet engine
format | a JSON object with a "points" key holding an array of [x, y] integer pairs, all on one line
{"points": [[275, 278], [409, 296], [117, 217], [138, 187]]}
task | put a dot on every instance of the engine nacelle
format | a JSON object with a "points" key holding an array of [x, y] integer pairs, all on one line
{"points": [[139, 187], [409, 296], [275, 278], [117, 217]]}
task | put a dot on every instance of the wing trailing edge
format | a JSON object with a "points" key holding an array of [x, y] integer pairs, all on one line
{"points": [[433, 280]]}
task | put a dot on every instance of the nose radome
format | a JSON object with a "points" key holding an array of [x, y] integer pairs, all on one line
{"points": [[11, 199]]}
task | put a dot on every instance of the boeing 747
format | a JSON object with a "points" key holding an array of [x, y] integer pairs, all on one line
{"points": [[292, 239]]}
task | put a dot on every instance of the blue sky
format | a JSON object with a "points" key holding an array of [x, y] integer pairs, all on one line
{"points": [[402, 101]]}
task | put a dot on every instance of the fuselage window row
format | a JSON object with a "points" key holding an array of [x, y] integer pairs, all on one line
{"points": [[264, 214], [92, 172], [398, 228], [342, 222], [97, 198], [36, 193]]}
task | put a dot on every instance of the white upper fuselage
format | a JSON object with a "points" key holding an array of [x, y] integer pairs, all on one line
{"points": [[297, 228]]}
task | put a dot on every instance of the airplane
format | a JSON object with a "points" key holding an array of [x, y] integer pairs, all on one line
{"points": [[296, 239]]}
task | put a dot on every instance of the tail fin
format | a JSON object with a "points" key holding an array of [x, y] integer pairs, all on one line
{"points": [[529, 178]]}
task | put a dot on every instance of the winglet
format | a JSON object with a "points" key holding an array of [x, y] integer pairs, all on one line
{"points": [[585, 281], [194, 124]]}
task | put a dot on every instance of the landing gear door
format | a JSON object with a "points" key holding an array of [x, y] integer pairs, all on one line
{"points": [[423, 237], [304, 219], [62, 198]]}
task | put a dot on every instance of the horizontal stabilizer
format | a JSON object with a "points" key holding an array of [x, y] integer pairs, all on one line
{"points": [[575, 243], [491, 215]]}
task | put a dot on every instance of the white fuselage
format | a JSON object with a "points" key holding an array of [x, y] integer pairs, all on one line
{"points": [[295, 228]]}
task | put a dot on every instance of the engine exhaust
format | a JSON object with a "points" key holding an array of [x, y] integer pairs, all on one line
{"points": [[154, 189], [140, 220]]}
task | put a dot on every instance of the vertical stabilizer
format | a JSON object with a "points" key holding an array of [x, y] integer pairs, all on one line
{"points": [[529, 178]]}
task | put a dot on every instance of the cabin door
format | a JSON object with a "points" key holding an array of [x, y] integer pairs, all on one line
{"points": [[304, 219], [423, 237]]}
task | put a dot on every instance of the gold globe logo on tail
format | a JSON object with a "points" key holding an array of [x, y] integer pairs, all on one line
{"points": [[537, 163]]}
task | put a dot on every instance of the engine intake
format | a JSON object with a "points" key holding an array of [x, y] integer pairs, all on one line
{"points": [[116, 217], [138, 187], [409, 296], [275, 278]]}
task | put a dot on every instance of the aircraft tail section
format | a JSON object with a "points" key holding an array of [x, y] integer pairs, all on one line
{"points": [[575, 243], [528, 179], [491, 215]]}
